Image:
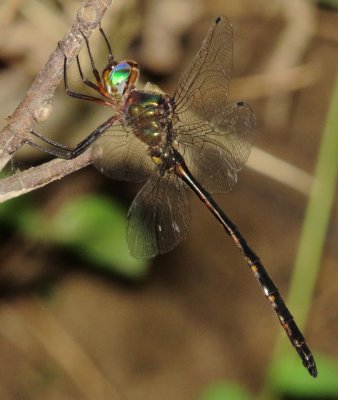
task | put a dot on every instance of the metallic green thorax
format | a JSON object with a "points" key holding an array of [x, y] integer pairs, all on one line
{"points": [[147, 112]]}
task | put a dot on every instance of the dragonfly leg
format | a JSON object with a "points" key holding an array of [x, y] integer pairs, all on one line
{"points": [[94, 69], [99, 86], [110, 54], [86, 81], [66, 152], [83, 96], [50, 141]]}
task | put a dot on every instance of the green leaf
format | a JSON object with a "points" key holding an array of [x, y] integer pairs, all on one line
{"points": [[92, 226], [289, 378], [225, 391], [10, 211]]}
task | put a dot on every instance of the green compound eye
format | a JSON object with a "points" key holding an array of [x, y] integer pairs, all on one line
{"points": [[120, 74]]}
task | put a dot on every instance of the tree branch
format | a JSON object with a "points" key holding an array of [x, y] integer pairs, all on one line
{"points": [[36, 103], [36, 177]]}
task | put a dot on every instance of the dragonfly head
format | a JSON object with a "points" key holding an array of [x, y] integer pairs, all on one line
{"points": [[121, 77]]}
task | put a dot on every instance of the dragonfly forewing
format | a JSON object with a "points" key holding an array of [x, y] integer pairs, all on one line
{"points": [[203, 88], [214, 139]]}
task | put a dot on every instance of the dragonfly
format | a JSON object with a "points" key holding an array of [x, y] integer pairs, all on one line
{"points": [[192, 139]]}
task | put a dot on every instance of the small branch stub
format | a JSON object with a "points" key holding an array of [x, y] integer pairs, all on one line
{"points": [[89, 14], [43, 113]]}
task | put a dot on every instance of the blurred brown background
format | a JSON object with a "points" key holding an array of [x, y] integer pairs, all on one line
{"points": [[198, 316]]}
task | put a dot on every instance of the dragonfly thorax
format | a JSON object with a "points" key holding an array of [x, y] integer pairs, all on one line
{"points": [[148, 114]]}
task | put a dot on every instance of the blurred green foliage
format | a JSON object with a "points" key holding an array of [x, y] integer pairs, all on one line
{"points": [[225, 391], [91, 226], [289, 379]]}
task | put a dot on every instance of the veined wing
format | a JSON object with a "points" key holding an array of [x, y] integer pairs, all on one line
{"points": [[214, 139], [119, 154], [215, 151], [159, 216], [203, 88]]}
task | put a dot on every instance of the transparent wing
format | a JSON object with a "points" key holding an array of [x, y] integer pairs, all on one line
{"points": [[214, 139], [119, 154], [216, 150], [203, 88], [159, 217]]}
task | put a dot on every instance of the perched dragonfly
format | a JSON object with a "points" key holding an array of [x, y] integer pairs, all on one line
{"points": [[191, 140]]}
